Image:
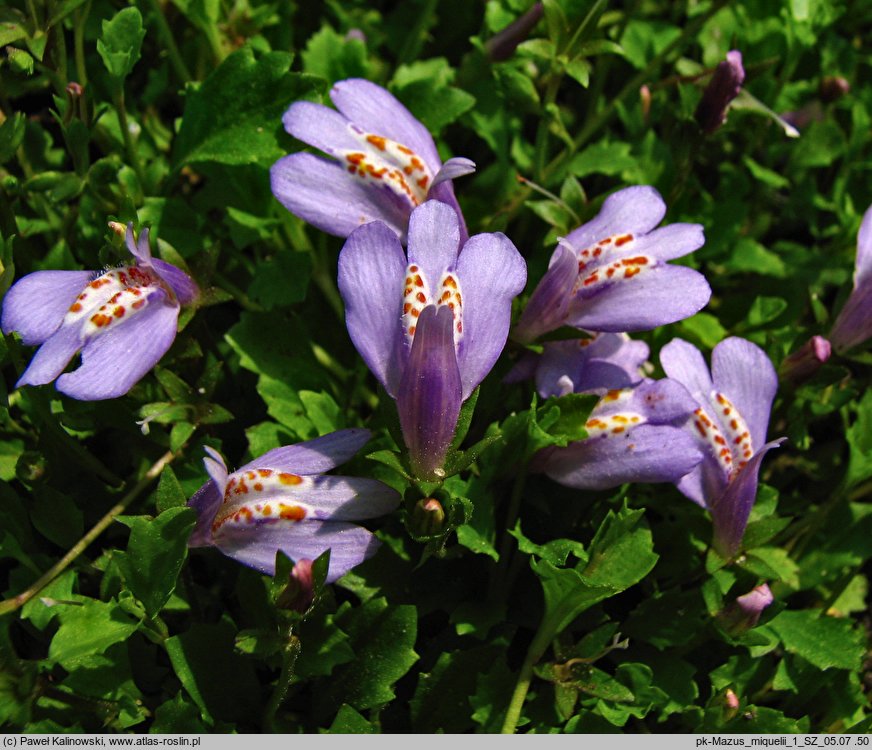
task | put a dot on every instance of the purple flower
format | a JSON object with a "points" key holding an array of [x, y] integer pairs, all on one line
{"points": [[634, 435], [283, 501], [854, 323], [611, 274], [123, 321], [725, 85], [604, 362], [383, 162], [430, 327], [729, 425]]}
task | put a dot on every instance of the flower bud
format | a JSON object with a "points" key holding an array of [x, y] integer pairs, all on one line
{"points": [[299, 594], [833, 88], [502, 45], [744, 613], [725, 85], [802, 364], [428, 517]]}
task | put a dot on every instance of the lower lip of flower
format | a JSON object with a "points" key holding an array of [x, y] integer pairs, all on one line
{"points": [[383, 162], [416, 296], [727, 436], [113, 297]]}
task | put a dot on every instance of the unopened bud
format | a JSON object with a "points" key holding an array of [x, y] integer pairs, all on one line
{"points": [[725, 85], [30, 467], [802, 364], [645, 101], [833, 88], [356, 35], [299, 594], [428, 517], [502, 45], [119, 228], [75, 90], [744, 613]]}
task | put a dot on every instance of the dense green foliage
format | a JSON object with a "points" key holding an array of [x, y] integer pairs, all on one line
{"points": [[168, 114]]}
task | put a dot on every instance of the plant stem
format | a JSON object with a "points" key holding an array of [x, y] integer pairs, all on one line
{"points": [[10, 605], [129, 146], [540, 642], [289, 658], [166, 35], [81, 15]]}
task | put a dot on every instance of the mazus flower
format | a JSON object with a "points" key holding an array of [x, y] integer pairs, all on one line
{"points": [[611, 274], [430, 326], [603, 362], [634, 435], [383, 162], [284, 501], [729, 424], [123, 321], [854, 323]]}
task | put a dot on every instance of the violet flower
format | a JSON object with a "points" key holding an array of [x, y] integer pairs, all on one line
{"points": [[430, 327], [604, 362], [729, 425], [725, 85], [284, 501], [634, 435], [123, 321], [611, 274], [383, 162], [854, 323]]}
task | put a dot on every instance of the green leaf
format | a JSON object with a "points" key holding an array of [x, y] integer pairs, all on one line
{"points": [[222, 683], [765, 310], [382, 637], [88, 630], [13, 25], [234, 117], [331, 56], [282, 280], [823, 641], [349, 721], [155, 553], [120, 42]]}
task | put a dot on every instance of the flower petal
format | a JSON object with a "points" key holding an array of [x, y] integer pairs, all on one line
{"points": [[744, 374], [320, 192], [863, 268], [429, 395], [52, 357], [114, 361], [546, 309], [854, 322], [671, 241], [492, 272], [314, 456], [256, 545], [206, 501], [378, 111], [183, 286], [372, 267], [731, 510], [36, 304], [660, 295], [434, 239], [648, 453], [633, 210], [683, 362], [456, 167], [320, 126], [663, 401], [351, 498]]}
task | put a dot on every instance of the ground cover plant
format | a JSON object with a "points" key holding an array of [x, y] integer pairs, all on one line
{"points": [[435, 367]]}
